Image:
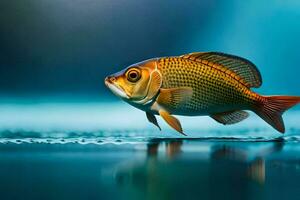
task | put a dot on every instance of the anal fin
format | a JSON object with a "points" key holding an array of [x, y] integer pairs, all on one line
{"points": [[232, 117], [171, 120]]}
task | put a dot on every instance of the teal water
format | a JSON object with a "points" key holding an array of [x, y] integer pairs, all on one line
{"points": [[61, 136], [60, 119], [109, 151], [153, 169]]}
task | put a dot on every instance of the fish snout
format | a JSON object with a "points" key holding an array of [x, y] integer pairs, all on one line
{"points": [[111, 83], [109, 80]]}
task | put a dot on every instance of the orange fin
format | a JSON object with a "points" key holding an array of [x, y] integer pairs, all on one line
{"points": [[233, 117], [174, 97], [271, 109], [152, 119], [172, 121]]}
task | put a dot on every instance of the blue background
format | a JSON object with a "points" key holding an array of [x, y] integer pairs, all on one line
{"points": [[65, 48], [63, 135]]}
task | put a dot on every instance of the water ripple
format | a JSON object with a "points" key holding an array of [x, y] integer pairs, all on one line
{"points": [[118, 140]]}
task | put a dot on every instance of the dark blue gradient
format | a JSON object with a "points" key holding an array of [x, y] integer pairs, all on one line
{"points": [[67, 47]]}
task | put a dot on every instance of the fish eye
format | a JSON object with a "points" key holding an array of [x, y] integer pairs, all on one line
{"points": [[133, 75]]}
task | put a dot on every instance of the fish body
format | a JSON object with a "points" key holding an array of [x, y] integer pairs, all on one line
{"points": [[197, 84], [213, 90]]}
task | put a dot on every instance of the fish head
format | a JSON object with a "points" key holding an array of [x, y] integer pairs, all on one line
{"points": [[135, 83]]}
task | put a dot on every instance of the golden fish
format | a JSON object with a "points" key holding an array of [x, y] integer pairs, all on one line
{"points": [[206, 83]]}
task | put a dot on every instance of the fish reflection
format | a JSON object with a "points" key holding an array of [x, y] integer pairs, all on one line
{"points": [[172, 148], [172, 170], [254, 166]]}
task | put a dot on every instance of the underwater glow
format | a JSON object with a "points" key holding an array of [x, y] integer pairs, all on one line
{"points": [[89, 117]]}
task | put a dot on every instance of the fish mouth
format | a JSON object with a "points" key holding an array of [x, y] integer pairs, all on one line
{"points": [[115, 88]]}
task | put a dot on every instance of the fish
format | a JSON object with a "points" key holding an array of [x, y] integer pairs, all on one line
{"points": [[211, 84]]}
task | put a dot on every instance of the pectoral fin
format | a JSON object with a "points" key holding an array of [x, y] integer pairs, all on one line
{"points": [[174, 97], [172, 121], [152, 119]]}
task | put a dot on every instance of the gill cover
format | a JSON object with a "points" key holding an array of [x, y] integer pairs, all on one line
{"points": [[154, 84]]}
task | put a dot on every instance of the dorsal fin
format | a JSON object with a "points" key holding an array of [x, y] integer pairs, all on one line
{"points": [[240, 68]]}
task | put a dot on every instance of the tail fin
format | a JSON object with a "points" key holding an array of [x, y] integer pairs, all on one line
{"points": [[271, 108]]}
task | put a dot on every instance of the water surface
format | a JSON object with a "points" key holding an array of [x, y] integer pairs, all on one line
{"points": [[110, 151], [153, 169]]}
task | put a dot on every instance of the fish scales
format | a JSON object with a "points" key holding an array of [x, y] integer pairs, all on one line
{"points": [[200, 83], [213, 89]]}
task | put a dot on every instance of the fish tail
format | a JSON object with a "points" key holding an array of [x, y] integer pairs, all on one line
{"points": [[271, 108]]}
